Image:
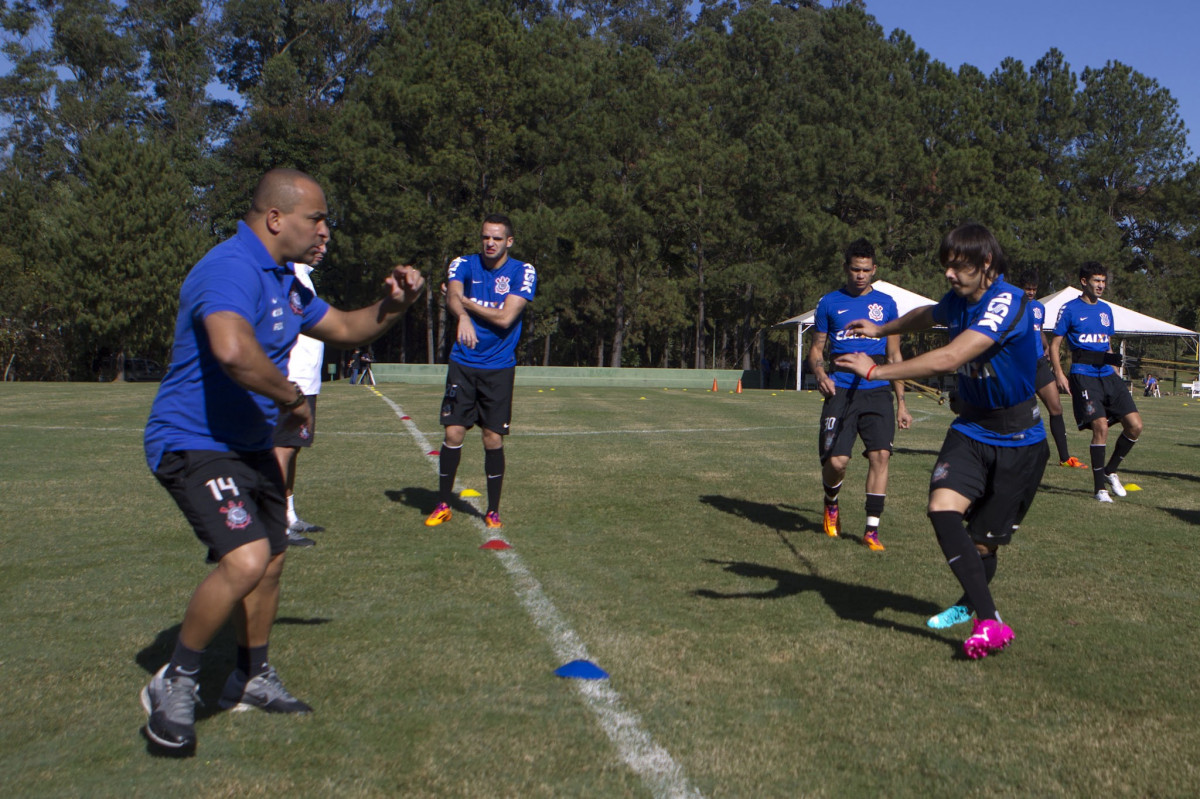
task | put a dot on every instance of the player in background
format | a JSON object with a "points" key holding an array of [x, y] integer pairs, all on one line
{"points": [[1047, 387], [303, 369], [855, 407], [487, 293], [995, 452], [1098, 394]]}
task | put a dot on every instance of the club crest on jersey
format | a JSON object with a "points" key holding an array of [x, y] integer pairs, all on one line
{"points": [[875, 311], [294, 301], [236, 515], [940, 472], [1104, 319], [502, 285]]}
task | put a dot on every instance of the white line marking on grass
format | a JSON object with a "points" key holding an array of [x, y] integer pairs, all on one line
{"points": [[525, 434], [657, 769]]}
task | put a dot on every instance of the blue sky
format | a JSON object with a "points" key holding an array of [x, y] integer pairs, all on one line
{"points": [[1156, 37]]}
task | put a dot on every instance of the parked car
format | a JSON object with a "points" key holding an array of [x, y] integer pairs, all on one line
{"points": [[143, 369]]}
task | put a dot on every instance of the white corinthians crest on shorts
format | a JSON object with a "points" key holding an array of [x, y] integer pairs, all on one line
{"points": [[236, 516], [875, 311], [1104, 319], [502, 285]]}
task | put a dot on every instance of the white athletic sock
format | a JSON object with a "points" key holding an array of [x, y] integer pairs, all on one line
{"points": [[292, 517]]}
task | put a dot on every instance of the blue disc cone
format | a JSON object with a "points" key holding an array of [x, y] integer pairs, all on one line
{"points": [[581, 670]]}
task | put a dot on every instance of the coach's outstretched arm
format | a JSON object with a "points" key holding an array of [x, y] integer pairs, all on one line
{"points": [[358, 328]]}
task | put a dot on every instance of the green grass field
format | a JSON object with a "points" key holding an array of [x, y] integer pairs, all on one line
{"points": [[676, 536]]}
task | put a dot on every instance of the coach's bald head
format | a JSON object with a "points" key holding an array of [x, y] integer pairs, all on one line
{"points": [[287, 213]]}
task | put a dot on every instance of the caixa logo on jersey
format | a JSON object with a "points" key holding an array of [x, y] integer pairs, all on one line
{"points": [[502, 286], [875, 312], [236, 515]]}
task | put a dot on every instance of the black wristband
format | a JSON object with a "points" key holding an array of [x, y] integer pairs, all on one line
{"points": [[295, 403]]}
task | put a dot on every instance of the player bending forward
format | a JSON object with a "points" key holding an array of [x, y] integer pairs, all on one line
{"points": [[995, 451]]}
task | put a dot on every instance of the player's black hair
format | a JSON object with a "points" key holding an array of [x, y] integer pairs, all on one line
{"points": [[499, 219], [859, 248], [1029, 277], [1090, 268], [973, 244]]}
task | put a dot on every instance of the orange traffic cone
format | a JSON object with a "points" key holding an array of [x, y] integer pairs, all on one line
{"points": [[714, 384], [739, 387]]}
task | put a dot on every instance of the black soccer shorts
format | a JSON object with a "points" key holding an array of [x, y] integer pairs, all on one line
{"points": [[229, 498], [1095, 398], [867, 414], [478, 396], [1045, 374], [1000, 482]]}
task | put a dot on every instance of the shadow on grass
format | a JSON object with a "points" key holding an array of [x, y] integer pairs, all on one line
{"points": [[1185, 515], [933, 453], [1127, 475], [858, 603], [426, 499], [782, 518]]}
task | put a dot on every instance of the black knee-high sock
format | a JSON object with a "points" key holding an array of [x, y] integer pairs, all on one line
{"points": [[447, 470], [1058, 429], [493, 465], [1119, 452], [1096, 453], [831, 492], [989, 571], [874, 511], [963, 559]]}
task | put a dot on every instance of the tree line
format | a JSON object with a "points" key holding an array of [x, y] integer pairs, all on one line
{"points": [[683, 176]]}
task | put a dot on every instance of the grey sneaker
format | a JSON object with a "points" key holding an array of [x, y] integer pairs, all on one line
{"points": [[297, 540], [301, 526], [1114, 483], [171, 705], [265, 692]]}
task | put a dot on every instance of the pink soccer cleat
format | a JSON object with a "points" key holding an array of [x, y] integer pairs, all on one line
{"points": [[988, 636]]}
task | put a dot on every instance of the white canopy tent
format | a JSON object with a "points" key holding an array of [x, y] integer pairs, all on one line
{"points": [[1125, 321], [905, 301]]}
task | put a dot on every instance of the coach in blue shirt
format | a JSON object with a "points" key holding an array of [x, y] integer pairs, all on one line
{"points": [[208, 439]]}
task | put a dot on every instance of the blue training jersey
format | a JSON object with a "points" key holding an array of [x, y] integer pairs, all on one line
{"points": [[1004, 374], [1086, 326], [1039, 321], [497, 346], [198, 406], [835, 311]]}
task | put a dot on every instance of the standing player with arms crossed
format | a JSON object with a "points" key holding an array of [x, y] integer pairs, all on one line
{"points": [[487, 292], [995, 451], [1098, 395], [853, 406]]}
